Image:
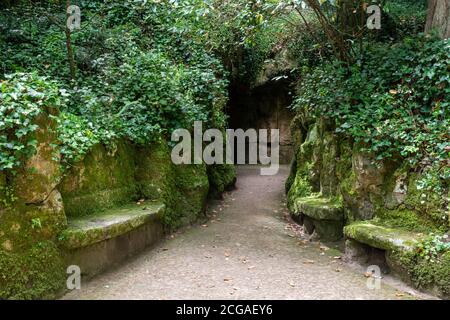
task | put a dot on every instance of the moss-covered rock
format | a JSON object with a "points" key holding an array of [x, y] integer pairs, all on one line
{"points": [[193, 185], [103, 180], [35, 273], [86, 231], [40, 174], [410, 220], [390, 194], [328, 179], [31, 215], [432, 206], [221, 178], [300, 188], [154, 171], [322, 215], [319, 208], [183, 189], [422, 273], [382, 237]]}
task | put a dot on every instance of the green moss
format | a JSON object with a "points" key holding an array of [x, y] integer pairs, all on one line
{"points": [[153, 170], [431, 205], [320, 208], [86, 231], [306, 178], [382, 237], [221, 178], [17, 228], [183, 189], [424, 274], [103, 180], [36, 273], [193, 185], [405, 219], [299, 189], [292, 174], [156, 179], [344, 161], [348, 185]]}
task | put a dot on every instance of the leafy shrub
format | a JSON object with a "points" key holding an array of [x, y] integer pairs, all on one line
{"points": [[143, 69], [404, 17], [396, 101]]}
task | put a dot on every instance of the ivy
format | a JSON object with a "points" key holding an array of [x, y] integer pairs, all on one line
{"points": [[395, 101], [23, 97], [144, 69]]}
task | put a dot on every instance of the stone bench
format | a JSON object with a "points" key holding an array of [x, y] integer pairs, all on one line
{"points": [[370, 243], [381, 237], [321, 215], [96, 242]]}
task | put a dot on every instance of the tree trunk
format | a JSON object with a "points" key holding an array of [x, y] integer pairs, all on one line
{"points": [[439, 17], [70, 56]]}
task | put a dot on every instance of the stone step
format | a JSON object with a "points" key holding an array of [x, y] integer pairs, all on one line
{"points": [[381, 237], [319, 208], [96, 242]]}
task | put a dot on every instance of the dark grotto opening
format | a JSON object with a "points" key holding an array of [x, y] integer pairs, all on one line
{"points": [[263, 107]]}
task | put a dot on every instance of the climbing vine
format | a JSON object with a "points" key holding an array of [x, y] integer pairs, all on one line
{"points": [[394, 111], [23, 97]]}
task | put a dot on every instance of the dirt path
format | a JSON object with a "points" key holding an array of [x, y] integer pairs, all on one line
{"points": [[248, 250]]}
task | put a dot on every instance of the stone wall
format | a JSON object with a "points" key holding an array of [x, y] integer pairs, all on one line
{"points": [[38, 201], [31, 217], [104, 179], [384, 194], [264, 107], [334, 166]]}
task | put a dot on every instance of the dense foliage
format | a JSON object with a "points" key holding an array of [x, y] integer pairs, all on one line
{"points": [[143, 68], [396, 100]]}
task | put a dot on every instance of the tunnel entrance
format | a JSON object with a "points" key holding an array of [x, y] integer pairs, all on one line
{"points": [[264, 107]]}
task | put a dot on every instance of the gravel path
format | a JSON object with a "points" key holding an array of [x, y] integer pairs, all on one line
{"points": [[249, 249]]}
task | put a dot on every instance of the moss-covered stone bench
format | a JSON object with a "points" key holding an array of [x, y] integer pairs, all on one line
{"points": [[96, 242], [373, 243], [321, 215], [382, 237]]}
